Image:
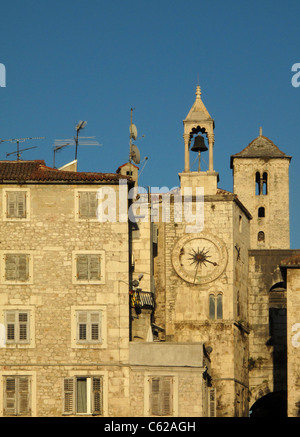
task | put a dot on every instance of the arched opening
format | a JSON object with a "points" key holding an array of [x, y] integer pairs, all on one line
{"points": [[261, 237], [271, 405], [257, 184], [216, 306], [261, 212], [265, 184]]}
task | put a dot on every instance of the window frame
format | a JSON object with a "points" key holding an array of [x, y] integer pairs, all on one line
{"points": [[148, 377], [29, 267], [76, 343], [5, 211], [17, 396], [30, 343], [78, 191], [101, 254], [69, 393], [215, 295], [17, 323]]}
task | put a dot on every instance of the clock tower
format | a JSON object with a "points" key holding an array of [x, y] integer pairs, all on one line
{"points": [[201, 276]]}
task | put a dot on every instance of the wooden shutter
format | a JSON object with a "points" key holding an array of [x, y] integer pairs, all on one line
{"points": [[212, 402], [17, 396], [23, 267], [95, 326], [97, 395], [161, 396], [23, 395], [10, 396], [166, 396], [21, 204], [155, 397], [87, 204], [68, 396], [82, 267], [23, 326], [11, 269], [10, 325], [17, 267], [16, 204], [94, 267], [82, 325], [93, 203]]}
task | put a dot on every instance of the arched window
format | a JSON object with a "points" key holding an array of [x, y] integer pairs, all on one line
{"points": [[261, 236], [261, 183], [216, 306], [257, 184], [261, 212], [265, 184]]}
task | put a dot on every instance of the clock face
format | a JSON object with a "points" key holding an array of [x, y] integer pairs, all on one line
{"points": [[199, 258]]}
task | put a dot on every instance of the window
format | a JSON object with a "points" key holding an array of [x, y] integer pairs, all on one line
{"points": [[257, 185], [87, 207], [83, 395], [17, 326], [16, 267], [216, 306], [89, 327], [16, 204], [261, 212], [88, 267], [261, 183], [17, 395], [212, 402], [261, 236], [265, 184], [161, 396]]}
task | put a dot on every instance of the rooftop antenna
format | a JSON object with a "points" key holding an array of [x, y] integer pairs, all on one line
{"points": [[76, 141], [134, 153], [18, 153], [18, 141], [80, 125], [56, 149]]}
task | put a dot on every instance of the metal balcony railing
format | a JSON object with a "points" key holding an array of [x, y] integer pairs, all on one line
{"points": [[142, 299]]}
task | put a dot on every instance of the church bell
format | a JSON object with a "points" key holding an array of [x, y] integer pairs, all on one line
{"points": [[199, 144]]}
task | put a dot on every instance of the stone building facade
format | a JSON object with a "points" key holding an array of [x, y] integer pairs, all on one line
{"points": [[116, 301]]}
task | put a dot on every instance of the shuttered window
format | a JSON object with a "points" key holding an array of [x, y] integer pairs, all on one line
{"points": [[87, 204], [212, 402], [88, 267], [17, 396], [16, 204], [17, 326], [89, 326], [17, 267], [161, 396], [83, 395]]}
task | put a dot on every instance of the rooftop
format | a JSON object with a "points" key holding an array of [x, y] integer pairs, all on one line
{"points": [[260, 147], [37, 171]]}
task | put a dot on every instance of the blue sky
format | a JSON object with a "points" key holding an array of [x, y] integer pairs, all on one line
{"points": [[93, 60]]}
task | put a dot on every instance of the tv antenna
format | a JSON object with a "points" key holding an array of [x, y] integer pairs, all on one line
{"points": [[18, 153], [18, 141], [76, 141]]}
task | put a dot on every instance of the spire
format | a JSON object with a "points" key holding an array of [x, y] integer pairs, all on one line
{"points": [[198, 120]]}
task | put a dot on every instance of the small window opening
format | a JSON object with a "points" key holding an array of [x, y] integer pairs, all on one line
{"points": [[261, 212], [257, 185], [265, 184], [261, 236]]}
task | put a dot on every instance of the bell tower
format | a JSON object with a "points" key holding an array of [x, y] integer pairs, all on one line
{"points": [[261, 181], [197, 122]]}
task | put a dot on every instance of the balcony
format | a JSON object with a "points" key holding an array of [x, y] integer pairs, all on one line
{"points": [[142, 299]]}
